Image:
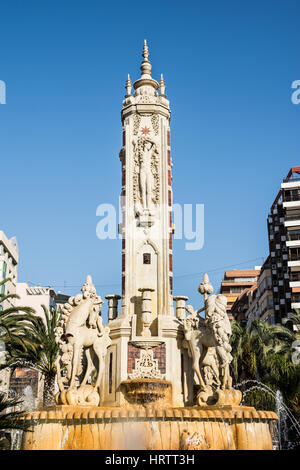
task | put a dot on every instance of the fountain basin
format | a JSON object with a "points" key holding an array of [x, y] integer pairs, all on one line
{"points": [[146, 391], [149, 428]]}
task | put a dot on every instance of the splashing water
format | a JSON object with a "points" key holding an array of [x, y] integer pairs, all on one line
{"points": [[28, 404], [16, 440], [28, 399], [286, 420]]}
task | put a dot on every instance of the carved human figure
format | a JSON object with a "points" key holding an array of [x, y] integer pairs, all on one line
{"points": [[194, 339], [146, 174], [207, 340], [210, 367], [145, 158], [219, 324]]}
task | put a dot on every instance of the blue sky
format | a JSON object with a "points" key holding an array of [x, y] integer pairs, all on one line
{"points": [[228, 68]]}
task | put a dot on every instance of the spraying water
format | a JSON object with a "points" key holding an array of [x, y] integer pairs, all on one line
{"points": [[286, 423], [28, 404]]}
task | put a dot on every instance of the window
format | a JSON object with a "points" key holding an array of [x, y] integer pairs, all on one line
{"points": [[147, 258], [236, 290], [3, 267], [3, 270]]}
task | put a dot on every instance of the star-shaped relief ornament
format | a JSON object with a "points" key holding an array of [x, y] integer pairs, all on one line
{"points": [[145, 131]]}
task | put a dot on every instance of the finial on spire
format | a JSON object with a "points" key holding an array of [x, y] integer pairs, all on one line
{"points": [[146, 66], [128, 86], [162, 86], [145, 50], [146, 79]]}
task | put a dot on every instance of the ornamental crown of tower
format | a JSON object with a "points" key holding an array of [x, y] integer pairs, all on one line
{"points": [[147, 90]]}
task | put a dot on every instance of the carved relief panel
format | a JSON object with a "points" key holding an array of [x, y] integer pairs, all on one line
{"points": [[146, 177]]}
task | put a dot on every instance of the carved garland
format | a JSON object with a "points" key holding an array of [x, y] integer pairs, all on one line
{"points": [[155, 123], [136, 123]]}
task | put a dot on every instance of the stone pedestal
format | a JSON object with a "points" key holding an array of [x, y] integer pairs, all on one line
{"points": [[180, 306], [146, 316], [113, 300]]}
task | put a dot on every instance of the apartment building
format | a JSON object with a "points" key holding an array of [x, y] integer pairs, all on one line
{"points": [[9, 257], [257, 301], [35, 297], [284, 246], [235, 282]]}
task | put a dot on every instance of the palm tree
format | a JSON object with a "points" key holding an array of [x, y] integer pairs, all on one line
{"points": [[8, 326], [244, 359], [9, 418], [9, 331], [262, 352], [36, 348], [254, 344], [294, 320]]}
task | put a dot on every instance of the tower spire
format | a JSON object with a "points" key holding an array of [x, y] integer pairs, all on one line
{"points": [[145, 50], [128, 86], [145, 78], [146, 66], [162, 86]]}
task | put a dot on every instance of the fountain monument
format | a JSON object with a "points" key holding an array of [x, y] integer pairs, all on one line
{"points": [[151, 378]]}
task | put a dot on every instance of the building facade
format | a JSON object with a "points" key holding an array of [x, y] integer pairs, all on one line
{"points": [[235, 282], [35, 297], [256, 302], [9, 257], [284, 246]]}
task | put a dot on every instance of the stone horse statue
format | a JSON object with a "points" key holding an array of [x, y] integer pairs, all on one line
{"points": [[81, 330], [207, 340]]}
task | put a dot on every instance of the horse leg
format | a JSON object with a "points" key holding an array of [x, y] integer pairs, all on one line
{"points": [[216, 374], [75, 362], [58, 374], [196, 368], [89, 367], [98, 352]]}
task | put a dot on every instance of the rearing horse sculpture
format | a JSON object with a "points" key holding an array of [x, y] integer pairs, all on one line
{"points": [[83, 330]]}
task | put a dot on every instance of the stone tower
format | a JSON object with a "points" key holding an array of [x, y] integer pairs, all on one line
{"points": [[146, 194], [146, 337]]}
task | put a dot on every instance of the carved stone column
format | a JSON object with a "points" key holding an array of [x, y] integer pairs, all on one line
{"points": [[180, 306], [146, 310], [112, 306]]}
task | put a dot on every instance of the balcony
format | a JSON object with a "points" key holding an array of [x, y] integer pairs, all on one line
{"points": [[291, 183], [294, 255], [291, 200], [292, 220], [293, 239], [294, 259], [293, 236], [294, 279], [295, 301], [289, 217], [294, 263], [294, 276], [231, 283], [295, 283], [291, 197]]}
